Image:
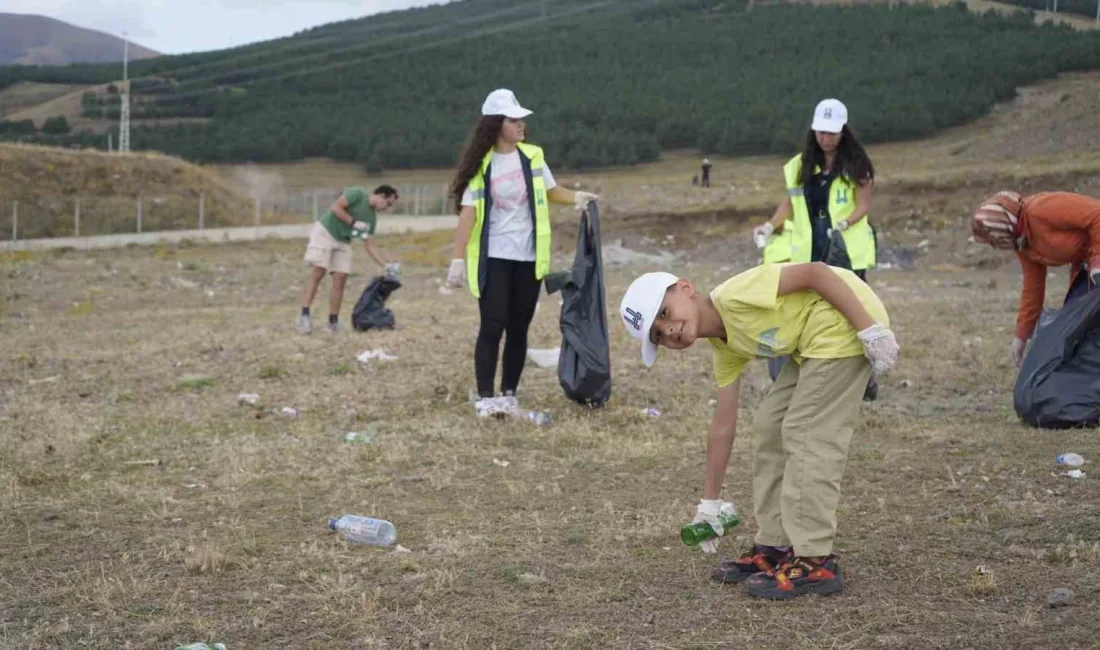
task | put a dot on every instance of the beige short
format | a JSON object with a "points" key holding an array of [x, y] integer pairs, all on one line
{"points": [[326, 252]]}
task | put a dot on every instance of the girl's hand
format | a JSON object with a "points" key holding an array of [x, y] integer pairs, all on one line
{"points": [[880, 346]]}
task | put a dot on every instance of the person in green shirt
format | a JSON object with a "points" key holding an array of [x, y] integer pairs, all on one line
{"points": [[835, 330], [353, 215]]}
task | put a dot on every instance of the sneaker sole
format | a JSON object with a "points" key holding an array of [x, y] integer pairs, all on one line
{"points": [[828, 588]]}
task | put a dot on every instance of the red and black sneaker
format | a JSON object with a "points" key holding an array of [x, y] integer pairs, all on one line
{"points": [[799, 576], [758, 559]]}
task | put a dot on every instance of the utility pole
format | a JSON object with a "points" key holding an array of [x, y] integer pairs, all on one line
{"points": [[124, 91]]}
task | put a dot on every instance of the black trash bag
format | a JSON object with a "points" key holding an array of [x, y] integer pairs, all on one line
{"points": [[370, 312], [1059, 382], [836, 253], [584, 367]]}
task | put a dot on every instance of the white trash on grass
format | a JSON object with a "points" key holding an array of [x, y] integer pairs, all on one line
{"points": [[547, 358], [248, 398], [375, 355]]}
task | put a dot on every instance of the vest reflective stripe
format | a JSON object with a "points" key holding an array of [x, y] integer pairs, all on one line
{"points": [[796, 240], [531, 159]]}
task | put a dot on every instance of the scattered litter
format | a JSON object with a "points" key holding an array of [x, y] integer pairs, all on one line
{"points": [[401, 549], [1060, 597], [652, 412], [905, 383], [184, 283], [666, 548], [712, 403], [364, 530], [1075, 473], [538, 418], [47, 380], [1069, 459], [201, 646], [195, 381], [501, 463], [194, 486], [248, 398], [544, 358], [377, 355], [362, 437], [289, 412], [154, 462], [923, 243], [981, 569]]}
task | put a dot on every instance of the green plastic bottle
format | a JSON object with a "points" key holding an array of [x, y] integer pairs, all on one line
{"points": [[692, 534]]}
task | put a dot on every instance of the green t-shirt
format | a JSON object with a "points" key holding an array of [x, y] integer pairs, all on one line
{"points": [[360, 210]]}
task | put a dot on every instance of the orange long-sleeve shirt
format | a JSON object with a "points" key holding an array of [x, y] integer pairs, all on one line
{"points": [[1061, 228]]}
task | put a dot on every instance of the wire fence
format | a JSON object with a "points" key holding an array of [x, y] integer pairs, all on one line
{"points": [[88, 216]]}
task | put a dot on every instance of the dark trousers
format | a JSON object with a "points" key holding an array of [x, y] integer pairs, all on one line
{"points": [[507, 305]]}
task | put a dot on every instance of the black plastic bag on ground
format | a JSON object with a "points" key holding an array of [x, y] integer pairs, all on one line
{"points": [[1059, 382], [370, 312], [584, 367]]}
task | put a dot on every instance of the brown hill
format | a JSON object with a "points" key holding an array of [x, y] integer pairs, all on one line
{"points": [[38, 40]]}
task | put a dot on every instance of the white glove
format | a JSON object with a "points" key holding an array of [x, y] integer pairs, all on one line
{"points": [[456, 275], [880, 346], [392, 269], [1094, 275], [708, 511], [359, 225], [842, 225], [1016, 349], [760, 234], [581, 199]]}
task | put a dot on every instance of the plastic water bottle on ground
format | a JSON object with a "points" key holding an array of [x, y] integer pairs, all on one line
{"points": [[537, 417], [201, 646], [364, 530], [1070, 459]]}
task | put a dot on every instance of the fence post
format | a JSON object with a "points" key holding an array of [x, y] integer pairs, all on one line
{"points": [[416, 201], [15, 220], [315, 205], [443, 205], [202, 210], [256, 203], [76, 217], [139, 212]]}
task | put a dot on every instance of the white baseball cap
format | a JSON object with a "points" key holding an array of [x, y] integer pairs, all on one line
{"points": [[640, 306], [503, 102], [830, 116]]}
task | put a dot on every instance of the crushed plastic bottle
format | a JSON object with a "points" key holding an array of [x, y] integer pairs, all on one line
{"points": [[537, 417], [761, 240], [364, 530], [652, 412], [1069, 459], [201, 646]]}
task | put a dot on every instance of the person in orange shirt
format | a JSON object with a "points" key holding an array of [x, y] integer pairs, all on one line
{"points": [[1047, 229]]}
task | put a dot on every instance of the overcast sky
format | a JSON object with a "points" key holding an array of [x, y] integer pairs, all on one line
{"points": [[177, 26]]}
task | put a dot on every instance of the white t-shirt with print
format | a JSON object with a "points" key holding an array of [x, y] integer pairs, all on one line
{"points": [[511, 229]]}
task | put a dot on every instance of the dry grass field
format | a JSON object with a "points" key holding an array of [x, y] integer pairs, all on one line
{"points": [[137, 512]]}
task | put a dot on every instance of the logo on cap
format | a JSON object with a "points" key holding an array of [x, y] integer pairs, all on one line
{"points": [[828, 114], [634, 320]]}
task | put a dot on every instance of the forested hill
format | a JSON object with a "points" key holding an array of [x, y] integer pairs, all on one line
{"points": [[610, 81]]}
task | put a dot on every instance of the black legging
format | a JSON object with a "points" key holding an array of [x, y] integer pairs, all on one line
{"points": [[507, 304]]}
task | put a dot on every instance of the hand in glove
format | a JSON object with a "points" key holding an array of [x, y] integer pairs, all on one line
{"points": [[760, 234], [880, 346], [1094, 276], [1016, 349], [581, 199], [842, 225], [456, 275], [708, 511], [359, 225], [392, 269]]}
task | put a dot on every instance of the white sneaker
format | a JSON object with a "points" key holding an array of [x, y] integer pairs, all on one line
{"points": [[333, 328], [304, 325], [496, 407]]}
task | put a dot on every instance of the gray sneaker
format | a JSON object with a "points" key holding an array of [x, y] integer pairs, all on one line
{"points": [[333, 328], [304, 325]]}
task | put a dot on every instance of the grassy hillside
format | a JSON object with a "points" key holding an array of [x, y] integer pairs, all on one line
{"points": [[38, 40], [401, 89], [47, 181]]}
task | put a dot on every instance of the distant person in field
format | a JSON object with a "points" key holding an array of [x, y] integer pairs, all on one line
{"points": [[501, 250], [329, 248], [1045, 230], [706, 172], [828, 188]]}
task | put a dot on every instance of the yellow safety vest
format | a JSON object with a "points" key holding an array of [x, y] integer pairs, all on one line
{"points": [[477, 248], [795, 242]]}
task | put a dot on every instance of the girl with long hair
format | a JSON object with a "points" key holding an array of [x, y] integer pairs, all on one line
{"points": [[502, 244]]}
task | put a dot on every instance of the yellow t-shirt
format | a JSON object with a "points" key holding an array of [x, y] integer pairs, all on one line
{"points": [[760, 323]]}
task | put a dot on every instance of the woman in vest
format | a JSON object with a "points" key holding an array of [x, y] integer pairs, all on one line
{"points": [[828, 188], [502, 244]]}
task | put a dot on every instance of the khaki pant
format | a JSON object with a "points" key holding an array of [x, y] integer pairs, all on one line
{"points": [[800, 444]]}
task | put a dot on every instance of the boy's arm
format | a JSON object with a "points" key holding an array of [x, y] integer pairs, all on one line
{"points": [[723, 427], [372, 250], [340, 208], [818, 277]]}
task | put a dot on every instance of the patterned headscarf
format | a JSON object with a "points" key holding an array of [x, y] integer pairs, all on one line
{"points": [[994, 222]]}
